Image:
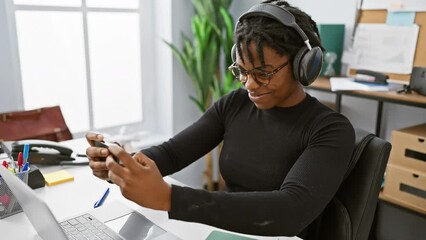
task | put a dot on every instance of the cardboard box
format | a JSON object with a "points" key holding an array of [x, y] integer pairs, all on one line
{"points": [[406, 187], [409, 147]]}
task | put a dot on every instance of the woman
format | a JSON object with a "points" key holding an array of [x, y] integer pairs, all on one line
{"points": [[284, 154]]}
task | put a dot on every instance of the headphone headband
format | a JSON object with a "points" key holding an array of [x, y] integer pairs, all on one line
{"points": [[278, 13]]}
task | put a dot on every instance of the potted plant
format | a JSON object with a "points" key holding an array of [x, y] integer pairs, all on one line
{"points": [[206, 57]]}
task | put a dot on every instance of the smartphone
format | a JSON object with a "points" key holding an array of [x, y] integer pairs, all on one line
{"points": [[104, 144]]}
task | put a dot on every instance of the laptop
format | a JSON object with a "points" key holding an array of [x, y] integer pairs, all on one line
{"points": [[114, 221]]}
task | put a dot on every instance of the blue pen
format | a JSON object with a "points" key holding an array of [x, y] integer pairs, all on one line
{"points": [[26, 152], [101, 201], [25, 167]]}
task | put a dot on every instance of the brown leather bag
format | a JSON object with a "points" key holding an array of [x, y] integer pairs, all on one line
{"points": [[43, 123]]}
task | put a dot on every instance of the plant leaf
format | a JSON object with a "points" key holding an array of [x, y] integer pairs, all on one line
{"points": [[200, 56]]}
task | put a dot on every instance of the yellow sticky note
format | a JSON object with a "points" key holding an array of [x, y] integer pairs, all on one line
{"points": [[57, 177]]}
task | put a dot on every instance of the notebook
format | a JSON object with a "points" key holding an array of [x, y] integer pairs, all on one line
{"points": [[116, 220]]}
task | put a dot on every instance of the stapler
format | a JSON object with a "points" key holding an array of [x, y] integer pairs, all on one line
{"points": [[367, 76]]}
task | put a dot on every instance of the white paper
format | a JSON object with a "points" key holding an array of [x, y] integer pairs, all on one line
{"points": [[384, 48], [349, 84], [395, 5], [348, 56]]}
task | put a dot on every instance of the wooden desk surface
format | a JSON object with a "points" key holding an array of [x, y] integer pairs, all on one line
{"points": [[415, 99]]}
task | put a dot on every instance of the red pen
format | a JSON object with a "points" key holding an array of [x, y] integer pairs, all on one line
{"points": [[20, 161]]}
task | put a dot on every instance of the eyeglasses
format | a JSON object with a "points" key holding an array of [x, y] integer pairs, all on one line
{"points": [[261, 77]]}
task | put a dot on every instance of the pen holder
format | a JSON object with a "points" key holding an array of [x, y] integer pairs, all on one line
{"points": [[8, 203]]}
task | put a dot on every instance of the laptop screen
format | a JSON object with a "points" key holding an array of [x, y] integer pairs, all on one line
{"points": [[36, 210]]}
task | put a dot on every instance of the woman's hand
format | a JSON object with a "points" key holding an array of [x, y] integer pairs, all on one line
{"points": [[139, 179], [96, 156]]}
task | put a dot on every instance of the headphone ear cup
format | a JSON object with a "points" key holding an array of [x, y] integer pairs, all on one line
{"points": [[234, 53], [296, 62], [307, 65]]}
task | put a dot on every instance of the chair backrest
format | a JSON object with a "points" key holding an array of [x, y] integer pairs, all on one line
{"points": [[350, 214], [45, 123]]}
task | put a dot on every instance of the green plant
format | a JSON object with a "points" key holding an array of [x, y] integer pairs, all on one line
{"points": [[212, 29]]}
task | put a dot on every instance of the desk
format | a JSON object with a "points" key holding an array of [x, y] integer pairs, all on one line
{"points": [[413, 99], [72, 198]]}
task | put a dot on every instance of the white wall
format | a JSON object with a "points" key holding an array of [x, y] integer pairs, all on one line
{"points": [[184, 111]]}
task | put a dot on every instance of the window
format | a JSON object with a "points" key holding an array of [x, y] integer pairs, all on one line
{"points": [[84, 55]]}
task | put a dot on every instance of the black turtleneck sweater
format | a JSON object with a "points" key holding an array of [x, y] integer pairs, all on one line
{"points": [[281, 166]]}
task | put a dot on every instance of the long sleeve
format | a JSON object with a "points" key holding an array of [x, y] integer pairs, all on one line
{"points": [[281, 166]]}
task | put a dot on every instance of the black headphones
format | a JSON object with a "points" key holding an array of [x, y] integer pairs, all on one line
{"points": [[308, 61]]}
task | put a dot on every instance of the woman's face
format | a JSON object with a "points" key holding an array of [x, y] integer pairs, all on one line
{"points": [[282, 90]]}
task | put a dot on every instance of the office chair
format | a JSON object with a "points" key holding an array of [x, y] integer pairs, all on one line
{"points": [[350, 214]]}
